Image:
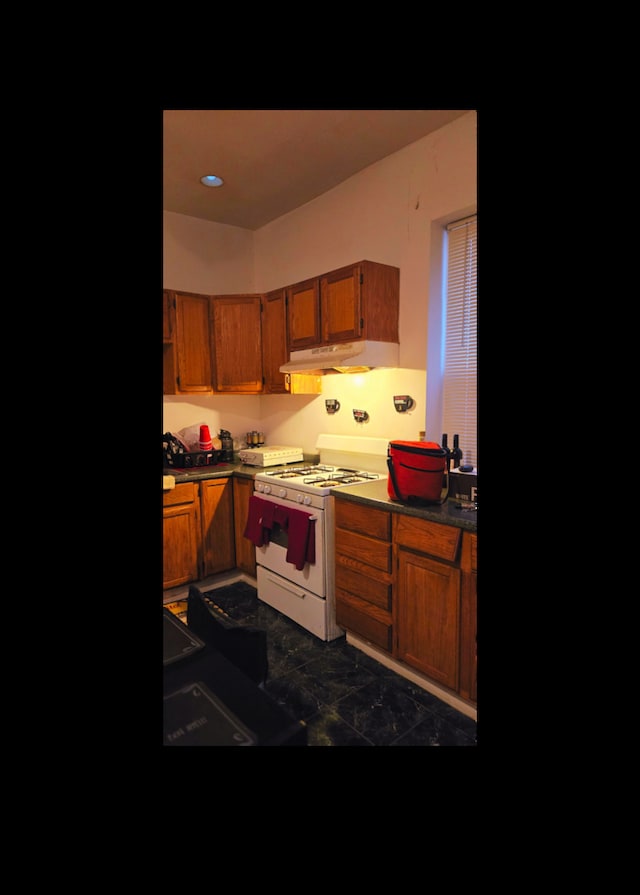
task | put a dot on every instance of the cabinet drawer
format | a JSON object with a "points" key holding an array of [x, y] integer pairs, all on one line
{"points": [[373, 590], [366, 550], [356, 517], [185, 492], [366, 621], [433, 538]]}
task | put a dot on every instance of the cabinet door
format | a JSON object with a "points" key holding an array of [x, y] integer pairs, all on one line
{"points": [[245, 550], [216, 511], [237, 344], [180, 535], [340, 305], [274, 341], [167, 316], [169, 383], [303, 315], [427, 616], [192, 337], [468, 618]]}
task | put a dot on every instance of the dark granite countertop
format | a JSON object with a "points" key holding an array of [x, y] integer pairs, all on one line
{"points": [[220, 470], [374, 494]]}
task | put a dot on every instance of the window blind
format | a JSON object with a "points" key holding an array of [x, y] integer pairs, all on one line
{"points": [[461, 339]]}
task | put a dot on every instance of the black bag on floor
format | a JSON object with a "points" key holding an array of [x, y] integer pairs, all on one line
{"points": [[244, 645]]}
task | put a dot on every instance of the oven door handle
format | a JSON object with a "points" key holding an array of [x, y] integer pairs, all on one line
{"points": [[281, 584]]}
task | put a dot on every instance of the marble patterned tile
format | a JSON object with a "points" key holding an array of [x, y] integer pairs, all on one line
{"points": [[344, 696], [380, 711]]}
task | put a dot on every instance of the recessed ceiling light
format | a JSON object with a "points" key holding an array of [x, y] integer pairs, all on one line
{"points": [[211, 180]]}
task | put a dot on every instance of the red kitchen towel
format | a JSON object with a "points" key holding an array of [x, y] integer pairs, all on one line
{"points": [[268, 513], [254, 530], [301, 537]]}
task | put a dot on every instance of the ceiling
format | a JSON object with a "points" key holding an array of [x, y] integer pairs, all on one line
{"points": [[274, 160]]}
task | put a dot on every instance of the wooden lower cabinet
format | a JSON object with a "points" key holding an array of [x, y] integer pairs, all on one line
{"points": [[216, 513], [363, 582], [245, 550], [408, 586], [197, 531], [427, 616], [427, 597], [180, 534], [468, 619]]}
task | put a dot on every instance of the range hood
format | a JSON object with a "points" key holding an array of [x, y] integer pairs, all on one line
{"points": [[347, 357]]}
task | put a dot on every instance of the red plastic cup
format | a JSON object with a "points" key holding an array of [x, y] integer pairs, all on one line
{"points": [[205, 439]]}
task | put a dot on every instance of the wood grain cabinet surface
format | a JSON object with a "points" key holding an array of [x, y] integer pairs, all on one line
{"points": [[180, 534], [192, 345], [236, 344], [468, 620], [236, 336], [363, 576], [198, 537], [274, 342], [361, 301], [216, 514], [245, 550], [408, 586]]}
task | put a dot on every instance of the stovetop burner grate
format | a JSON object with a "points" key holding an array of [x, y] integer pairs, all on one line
{"points": [[318, 476]]}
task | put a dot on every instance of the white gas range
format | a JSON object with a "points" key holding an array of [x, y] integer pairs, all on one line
{"points": [[309, 485], [292, 525]]}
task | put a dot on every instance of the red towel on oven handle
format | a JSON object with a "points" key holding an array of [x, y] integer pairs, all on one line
{"points": [[301, 536], [254, 529]]}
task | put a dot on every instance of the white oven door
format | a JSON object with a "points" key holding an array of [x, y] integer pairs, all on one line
{"points": [[273, 555]]}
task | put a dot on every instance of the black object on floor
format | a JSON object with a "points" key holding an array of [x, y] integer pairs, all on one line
{"points": [[209, 701], [194, 716], [244, 645], [345, 697], [177, 641]]}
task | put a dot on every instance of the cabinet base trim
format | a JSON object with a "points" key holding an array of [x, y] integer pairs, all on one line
{"points": [[413, 676]]}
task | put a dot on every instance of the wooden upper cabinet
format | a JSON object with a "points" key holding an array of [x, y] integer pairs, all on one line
{"points": [[167, 316], [169, 383], [303, 315], [340, 305], [361, 301], [192, 343], [274, 341], [236, 336]]}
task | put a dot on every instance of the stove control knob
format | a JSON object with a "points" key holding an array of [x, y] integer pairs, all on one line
{"points": [[259, 486], [282, 492], [307, 501], [299, 498], [267, 489]]}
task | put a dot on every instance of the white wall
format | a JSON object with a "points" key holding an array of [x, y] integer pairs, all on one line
{"points": [[372, 391], [385, 213], [200, 256]]}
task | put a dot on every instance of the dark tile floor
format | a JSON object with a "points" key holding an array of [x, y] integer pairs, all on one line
{"points": [[345, 697]]}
